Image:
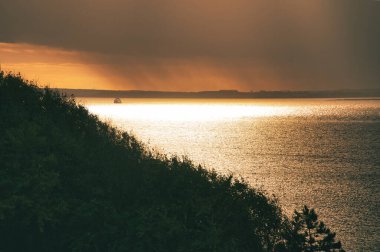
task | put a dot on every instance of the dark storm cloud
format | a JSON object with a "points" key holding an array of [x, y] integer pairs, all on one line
{"points": [[251, 43]]}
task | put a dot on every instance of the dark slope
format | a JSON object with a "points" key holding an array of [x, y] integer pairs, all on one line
{"points": [[69, 182]]}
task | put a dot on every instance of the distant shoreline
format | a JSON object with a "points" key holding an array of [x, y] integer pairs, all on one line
{"points": [[369, 94]]}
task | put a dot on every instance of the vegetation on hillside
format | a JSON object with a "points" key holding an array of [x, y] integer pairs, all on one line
{"points": [[69, 182]]}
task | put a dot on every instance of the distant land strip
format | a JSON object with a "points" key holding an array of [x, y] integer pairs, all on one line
{"points": [[348, 93]]}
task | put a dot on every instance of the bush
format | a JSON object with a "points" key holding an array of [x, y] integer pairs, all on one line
{"points": [[69, 182]]}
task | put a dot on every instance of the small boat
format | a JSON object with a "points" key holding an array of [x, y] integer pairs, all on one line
{"points": [[117, 100]]}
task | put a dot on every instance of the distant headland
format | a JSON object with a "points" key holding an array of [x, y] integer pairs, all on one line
{"points": [[346, 93]]}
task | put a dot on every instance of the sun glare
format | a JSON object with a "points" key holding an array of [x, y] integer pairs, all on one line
{"points": [[187, 112]]}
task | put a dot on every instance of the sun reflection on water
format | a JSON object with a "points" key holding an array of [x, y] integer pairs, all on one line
{"points": [[291, 148], [188, 112]]}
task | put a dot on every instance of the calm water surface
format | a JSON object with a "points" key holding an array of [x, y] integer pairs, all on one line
{"points": [[323, 153]]}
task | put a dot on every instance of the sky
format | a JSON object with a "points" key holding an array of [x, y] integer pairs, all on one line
{"points": [[193, 45]]}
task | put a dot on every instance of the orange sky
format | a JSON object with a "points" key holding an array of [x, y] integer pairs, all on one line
{"points": [[69, 69], [192, 45], [50, 67]]}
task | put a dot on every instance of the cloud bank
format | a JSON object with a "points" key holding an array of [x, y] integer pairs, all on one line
{"points": [[202, 45]]}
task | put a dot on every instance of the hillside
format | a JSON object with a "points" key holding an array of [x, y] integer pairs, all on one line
{"points": [[69, 182]]}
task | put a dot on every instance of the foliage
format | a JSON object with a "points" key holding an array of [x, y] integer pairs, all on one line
{"points": [[69, 182], [305, 233]]}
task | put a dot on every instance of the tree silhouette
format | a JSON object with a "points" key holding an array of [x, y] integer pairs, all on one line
{"points": [[305, 233]]}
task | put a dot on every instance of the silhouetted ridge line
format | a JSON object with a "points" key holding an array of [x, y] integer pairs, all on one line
{"points": [[364, 93], [69, 182]]}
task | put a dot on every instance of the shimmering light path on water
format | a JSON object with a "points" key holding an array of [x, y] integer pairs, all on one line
{"points": [[323, 153]]}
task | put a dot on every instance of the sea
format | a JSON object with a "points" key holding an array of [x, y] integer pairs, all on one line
{"points": [[324, 153]]}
